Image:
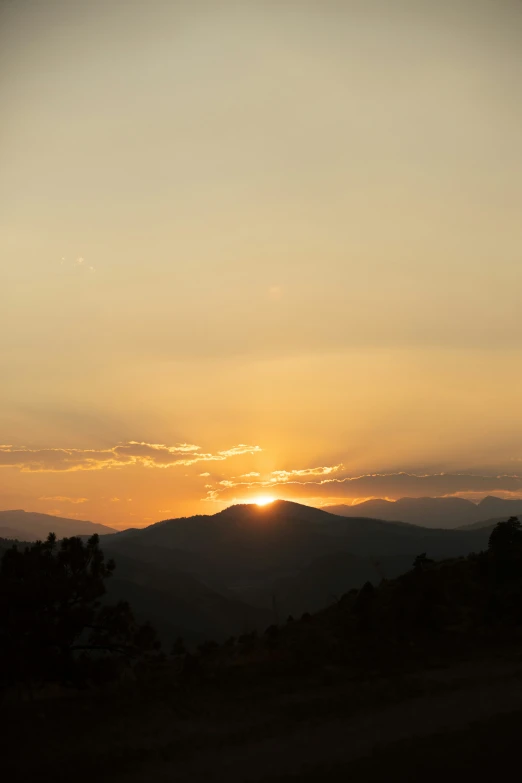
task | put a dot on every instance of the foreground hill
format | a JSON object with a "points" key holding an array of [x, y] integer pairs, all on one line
{"points": [[484, 524], [179, 605], [251, 539], [249, 566], [416, 679], [176, 603], [30, 526], [285, 556], [434, 512]]}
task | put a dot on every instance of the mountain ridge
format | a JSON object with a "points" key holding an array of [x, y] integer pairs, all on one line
{"points": [[32, 525], [294, 554], [432, 512], [246, 565]]}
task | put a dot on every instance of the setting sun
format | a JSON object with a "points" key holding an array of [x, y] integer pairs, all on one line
{"points": [[264, 500]]}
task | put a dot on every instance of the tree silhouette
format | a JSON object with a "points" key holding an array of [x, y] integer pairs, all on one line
{"points": [[506, 539], [422, 561], [505, 572], [52, 624]]}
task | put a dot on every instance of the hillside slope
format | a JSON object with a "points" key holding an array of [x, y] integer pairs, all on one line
{"points": [[288, 557], [30, 526]]}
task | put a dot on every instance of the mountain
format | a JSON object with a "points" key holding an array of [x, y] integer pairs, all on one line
{"points": [[177, 604], [324, 581], [492, 506], [241, 542], [433, 512], [30, 526], [250, 566], [174, 602], [483, 524], [286, 557], [14, 533]]}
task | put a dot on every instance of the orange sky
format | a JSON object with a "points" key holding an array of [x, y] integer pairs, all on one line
{"points": [[258, 249]]}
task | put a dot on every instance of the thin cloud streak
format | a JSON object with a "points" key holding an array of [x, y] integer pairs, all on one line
{"points": [[149, 455], [64, 499], [377, 485], [288, 475]]}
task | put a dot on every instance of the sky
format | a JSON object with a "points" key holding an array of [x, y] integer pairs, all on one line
{"points": [[258, 249]]}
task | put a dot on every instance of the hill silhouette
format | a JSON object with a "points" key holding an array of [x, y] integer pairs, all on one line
{"points": [[444, 512], [483, 524], [285, 557], [30, 526], [249, 566], [332, 695], [178, 604]]}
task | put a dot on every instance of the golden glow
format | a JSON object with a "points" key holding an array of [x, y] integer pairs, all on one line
{"points": [[316, 310], [264, 500]]}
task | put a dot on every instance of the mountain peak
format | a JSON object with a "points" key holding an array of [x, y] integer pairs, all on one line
{"points": [[490, 499]]}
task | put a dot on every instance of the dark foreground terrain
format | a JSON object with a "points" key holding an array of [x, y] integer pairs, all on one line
{"points": [[463, 720], [416, 678]]}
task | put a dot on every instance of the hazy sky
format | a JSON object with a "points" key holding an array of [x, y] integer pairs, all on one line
{"points": [[286, 233]]}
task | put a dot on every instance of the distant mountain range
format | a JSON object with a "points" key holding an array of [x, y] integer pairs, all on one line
{"points": [[30, 526], [249, 566], [434, 512]]}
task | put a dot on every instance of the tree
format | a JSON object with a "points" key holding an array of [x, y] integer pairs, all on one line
{"points": [[53, 626], [504, 562], [422, 561], [506, 539]]}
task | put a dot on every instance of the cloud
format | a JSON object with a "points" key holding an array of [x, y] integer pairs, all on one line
{"points": [[63, 499], [237, 450], [278, 477], [290, 484], [289, 475], [150, 455]]}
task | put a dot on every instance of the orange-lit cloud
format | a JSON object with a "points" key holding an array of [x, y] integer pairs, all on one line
{"points": [[150, 455], [289, 475], [64, 499], [275, 478], [382, 485]]}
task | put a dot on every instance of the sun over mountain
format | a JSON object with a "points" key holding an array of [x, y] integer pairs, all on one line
{"points": [[264, 500]]}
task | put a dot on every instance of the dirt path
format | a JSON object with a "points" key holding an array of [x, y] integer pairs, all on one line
{"points": [[342, 740]]}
